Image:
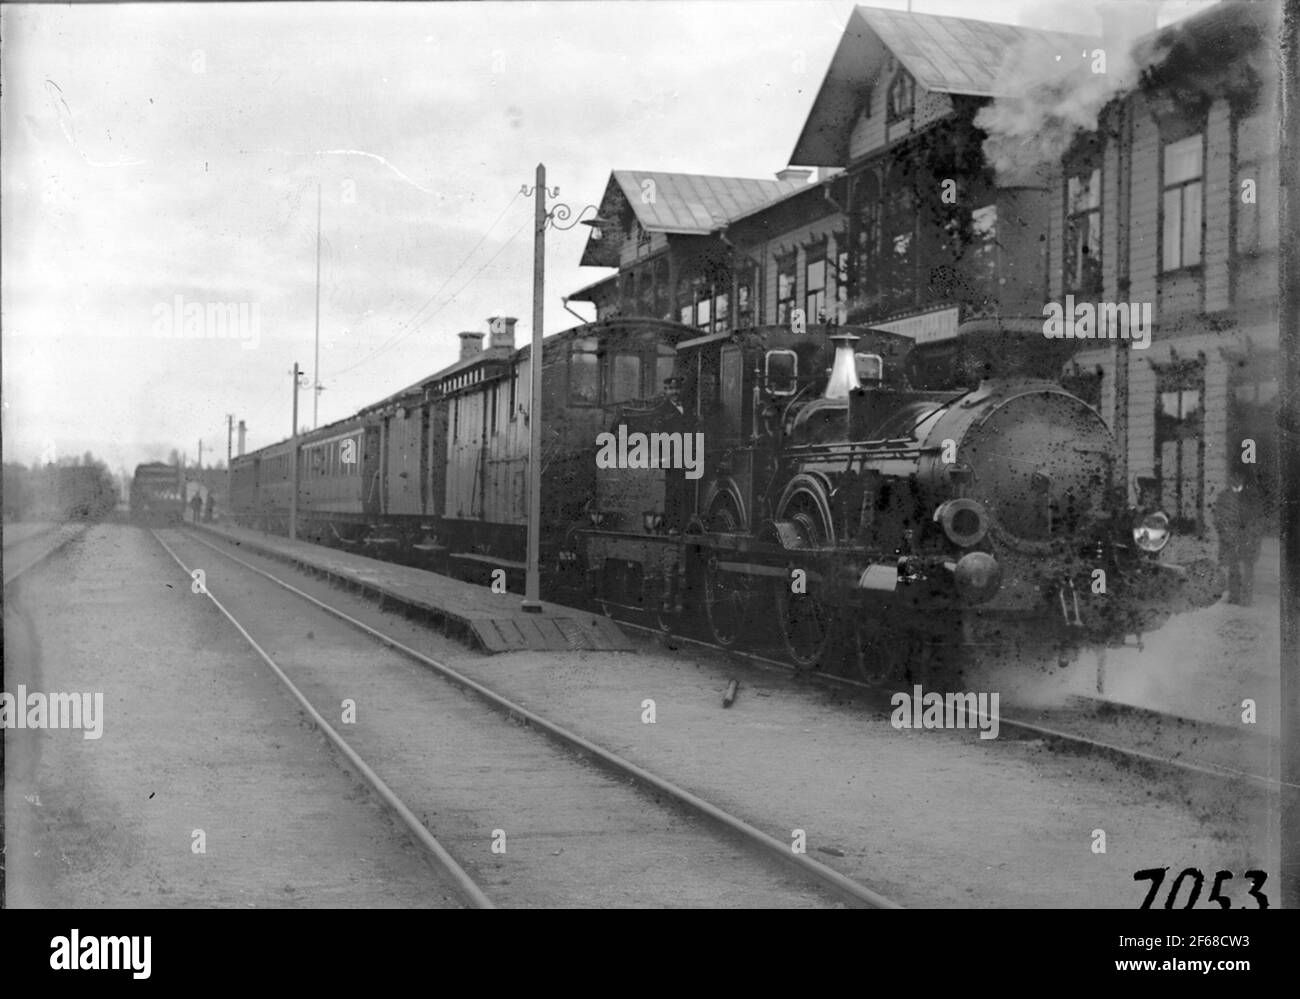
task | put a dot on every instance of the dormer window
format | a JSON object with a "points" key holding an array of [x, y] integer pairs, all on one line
{"points": [[902, 96]]}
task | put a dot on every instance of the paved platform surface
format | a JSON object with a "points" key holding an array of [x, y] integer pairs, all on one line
{"points": [[494, 622]]}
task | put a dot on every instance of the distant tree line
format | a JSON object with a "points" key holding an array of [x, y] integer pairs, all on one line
{"points": [[73, 488]]}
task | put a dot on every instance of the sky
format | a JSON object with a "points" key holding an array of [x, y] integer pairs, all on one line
{"points": [[156, 158]]}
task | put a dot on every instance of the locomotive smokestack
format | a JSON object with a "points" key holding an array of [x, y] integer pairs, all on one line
{"points": [[470, 344], [844, 370]]}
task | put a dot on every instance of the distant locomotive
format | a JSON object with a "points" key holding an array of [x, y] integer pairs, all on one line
{"points": [[157, 494]]}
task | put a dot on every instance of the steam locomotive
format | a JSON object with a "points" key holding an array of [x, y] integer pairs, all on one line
{"points": [[902, 501], [157, 494], [908, 502]]}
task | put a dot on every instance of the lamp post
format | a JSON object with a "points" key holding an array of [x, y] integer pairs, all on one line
{"points": [[555, 218]]}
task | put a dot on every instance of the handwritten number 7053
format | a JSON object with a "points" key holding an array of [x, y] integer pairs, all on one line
{"points": [[1156, 875]]}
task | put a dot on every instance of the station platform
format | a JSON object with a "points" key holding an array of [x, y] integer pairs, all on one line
{"points": [[494, 622]]}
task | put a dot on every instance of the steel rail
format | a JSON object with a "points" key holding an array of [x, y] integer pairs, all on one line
{"points": [[466, 885], [827, 876]]}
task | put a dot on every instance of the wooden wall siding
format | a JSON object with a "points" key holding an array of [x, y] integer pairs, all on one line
{"points": [[1056, 237], [779, 246], [1110, 222], [438, 430], [1216, 425], [870, 132], [404, 443], [507, 462], [1141, 415], [1144, 205], [629, 253], [1218, 206], [1180, 298], [465, 458]]}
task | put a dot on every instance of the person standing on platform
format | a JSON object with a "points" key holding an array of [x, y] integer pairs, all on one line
{"points": [[208, 507], [196, 504], [670, 416], [1239, 521]]}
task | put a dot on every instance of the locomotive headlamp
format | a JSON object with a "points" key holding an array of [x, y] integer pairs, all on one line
{"points": [[1153, 533], [977, 576], [963, 520]]}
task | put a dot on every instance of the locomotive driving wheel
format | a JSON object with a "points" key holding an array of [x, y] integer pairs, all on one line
{"points": [[727, 595], [807, 622]]}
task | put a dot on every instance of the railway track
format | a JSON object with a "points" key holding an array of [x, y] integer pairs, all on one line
{"points": [[30, 549], [766, 868], [1040, 728]]}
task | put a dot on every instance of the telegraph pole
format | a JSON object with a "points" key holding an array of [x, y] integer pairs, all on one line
{"points": [[230, 433], [532, 579], [315, 378], [200, 455], [293, 462]]}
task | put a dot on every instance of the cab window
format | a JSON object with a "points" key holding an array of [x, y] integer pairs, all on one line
{"points": [[781, 371]]}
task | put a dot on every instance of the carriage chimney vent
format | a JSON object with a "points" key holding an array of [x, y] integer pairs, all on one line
{"points": [[502, 330], [799, 176], [470, 344], [844, 370], [243, 430]]}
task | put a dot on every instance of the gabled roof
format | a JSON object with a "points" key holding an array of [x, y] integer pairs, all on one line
{"points": [[679, 203], [957, 55], [949, 55]]}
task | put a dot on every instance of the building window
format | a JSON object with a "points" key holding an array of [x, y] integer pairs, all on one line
{"points": [[1083, 231], [984, 248], [785, 282], [645, 292], [663, 292], [1181, 234], [898, 270], [721, 311], [665, 362], [867, 221], [703, 310], [625, 378], [815, 283], [747, 295], [1180, 443], [841, 276], [902, 95], [584, 373]]}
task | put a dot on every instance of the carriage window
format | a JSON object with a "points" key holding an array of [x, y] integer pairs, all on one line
{"points": [[625, 378], [871, 368], [664, 365], [584, 374], [781, 370]]}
